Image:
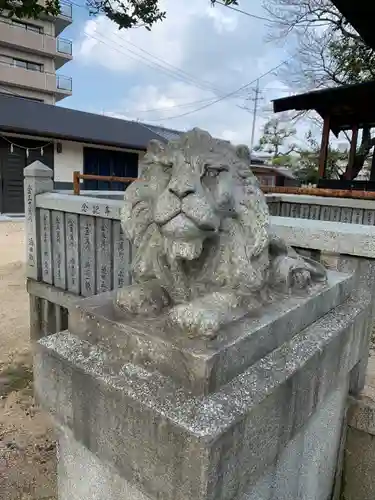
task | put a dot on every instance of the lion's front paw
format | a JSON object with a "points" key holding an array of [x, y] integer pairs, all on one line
{"points": [[146, 298], [203, 317], [196, 321]]}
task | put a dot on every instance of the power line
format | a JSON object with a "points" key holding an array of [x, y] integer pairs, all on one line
{"points": [[236, 9], [169, 72], [175, 68], [228, 95], [175, 72], [183, 105]]}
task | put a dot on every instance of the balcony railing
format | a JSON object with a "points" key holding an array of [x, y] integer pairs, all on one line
{"points": [[66, 9], [64, 83], [64, 46]]}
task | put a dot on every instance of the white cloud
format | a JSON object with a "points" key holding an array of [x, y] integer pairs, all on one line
{"points": [[216, 48]]}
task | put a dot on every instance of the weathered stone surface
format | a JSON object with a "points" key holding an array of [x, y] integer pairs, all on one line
{"points": [[81, 475], [323, 201], [121, 257], [87, 255], [104, 255], [46, 246], [203, 367], [339, 238], [199, 224], [38, 179], [149, 428], [58, 249], [72, 253]]}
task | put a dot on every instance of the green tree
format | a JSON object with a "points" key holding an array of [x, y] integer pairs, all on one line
{"points": [[274, 140], [125, 13], [307, 164], [330, 52]]}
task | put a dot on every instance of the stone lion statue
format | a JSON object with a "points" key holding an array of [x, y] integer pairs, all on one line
{"points": [[199, 225]]}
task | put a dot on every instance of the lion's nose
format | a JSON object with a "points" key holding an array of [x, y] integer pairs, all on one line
{"points": [[181, 186]]}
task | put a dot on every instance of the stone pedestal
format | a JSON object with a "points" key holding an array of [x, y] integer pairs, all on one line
{"points": [[256, 414]]}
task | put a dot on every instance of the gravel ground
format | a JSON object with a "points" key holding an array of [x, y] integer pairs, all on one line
{"points": [[27, 447]]}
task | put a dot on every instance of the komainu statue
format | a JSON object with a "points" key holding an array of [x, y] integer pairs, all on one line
{"points": [[199, 224]]}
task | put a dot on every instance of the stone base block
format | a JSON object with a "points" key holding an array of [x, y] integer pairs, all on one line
{"points": [[82, 475], [359, 468], [259, 420]]}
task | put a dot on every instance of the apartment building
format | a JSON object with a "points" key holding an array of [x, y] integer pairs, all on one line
{"points": [[31, 51]]}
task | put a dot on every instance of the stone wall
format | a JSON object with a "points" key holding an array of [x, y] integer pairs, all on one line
{"points": [[346, 210], [75, 248]]}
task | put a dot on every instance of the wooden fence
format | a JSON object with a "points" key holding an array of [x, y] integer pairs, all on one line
{"points": [[77, 177]]}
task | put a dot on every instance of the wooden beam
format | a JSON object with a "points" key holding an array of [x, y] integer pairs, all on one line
{"points": [[352, 153], [77, 176], [324, 147]]}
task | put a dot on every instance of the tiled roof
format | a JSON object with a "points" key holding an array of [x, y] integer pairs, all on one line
{"points": [[45, 120]]}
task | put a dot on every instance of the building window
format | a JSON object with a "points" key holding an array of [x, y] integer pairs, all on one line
{"points": [[20, 63], [266, 180], [27, 26]]}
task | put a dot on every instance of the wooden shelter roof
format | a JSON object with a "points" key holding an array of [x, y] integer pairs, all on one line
{"points": [[347, 105], [360, 14]]}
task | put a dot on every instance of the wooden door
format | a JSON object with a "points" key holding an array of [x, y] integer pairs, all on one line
{"points": [[11, 171]]}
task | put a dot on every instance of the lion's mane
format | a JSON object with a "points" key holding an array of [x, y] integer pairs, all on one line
{"points": [[237, 259]]}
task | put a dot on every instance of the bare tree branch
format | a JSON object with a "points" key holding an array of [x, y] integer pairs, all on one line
{"points": [[330, 53]]}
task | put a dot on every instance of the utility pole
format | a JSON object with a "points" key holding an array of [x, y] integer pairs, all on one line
{"points": [[256, 99]]}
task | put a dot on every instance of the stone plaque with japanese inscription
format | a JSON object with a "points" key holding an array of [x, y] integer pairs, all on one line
{"points": [[315, 212], [58, 249], [357, 217], [335, 214], [46, 246], [346, 215], [87, 255], [121, 257], [285, 209], [294, 210], [369, 217], [72, 252], [103, 256], [305, 211], [326, 213]]}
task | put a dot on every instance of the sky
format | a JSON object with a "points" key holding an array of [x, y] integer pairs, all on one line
{"points": [[185, 73]]}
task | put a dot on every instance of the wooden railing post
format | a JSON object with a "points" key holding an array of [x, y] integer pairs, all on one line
{"points": [[38, 179], [76, 182], [324, 147]]}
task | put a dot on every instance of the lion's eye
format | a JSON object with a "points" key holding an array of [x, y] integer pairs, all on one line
{"points": [[212, 173], [167, 167]]}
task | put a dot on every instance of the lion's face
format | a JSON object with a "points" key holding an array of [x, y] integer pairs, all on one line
{"points": [[196, 197], [193, 196]]}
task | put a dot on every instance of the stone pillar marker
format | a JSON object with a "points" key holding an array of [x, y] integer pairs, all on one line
{"points": [[38, 179], [223, 372]]}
